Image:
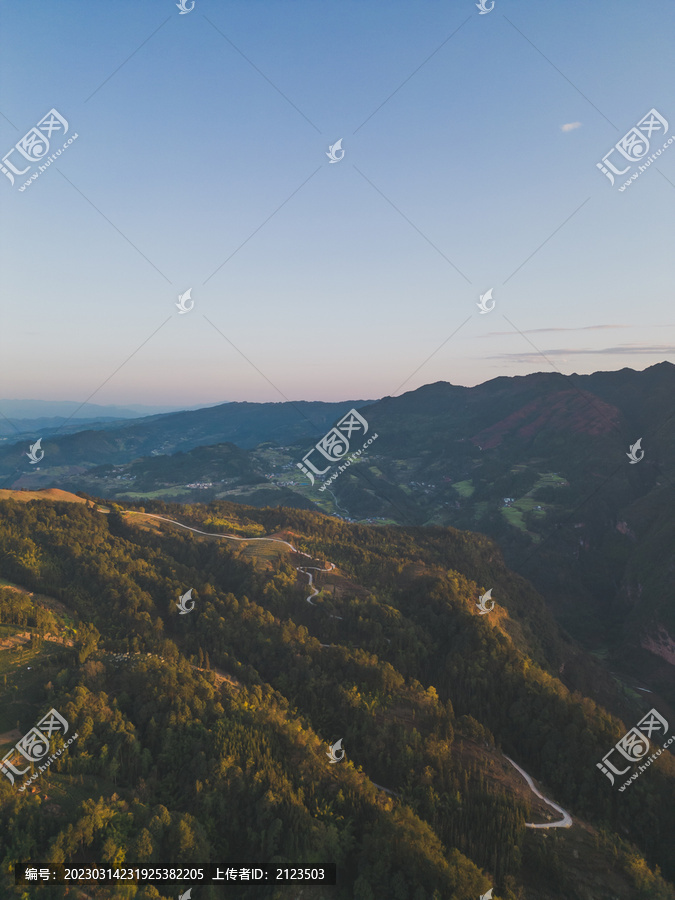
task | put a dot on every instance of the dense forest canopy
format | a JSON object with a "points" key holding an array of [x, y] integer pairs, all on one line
{"points": [[204, 737]]}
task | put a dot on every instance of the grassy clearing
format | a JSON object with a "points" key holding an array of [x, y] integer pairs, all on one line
{"points": [[464, 488], [264, 550], [526, 504], [169, 493], [45, 494], [514, 517], [548, 478]]}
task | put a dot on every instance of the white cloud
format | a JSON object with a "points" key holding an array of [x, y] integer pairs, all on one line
{"points": [[570, 126]]}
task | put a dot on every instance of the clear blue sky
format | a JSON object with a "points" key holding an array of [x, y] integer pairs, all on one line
{"points": [[216, 118]]}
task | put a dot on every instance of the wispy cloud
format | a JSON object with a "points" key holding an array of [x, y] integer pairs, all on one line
{"points": [[622, 350], [542, 330], [570, 126]]}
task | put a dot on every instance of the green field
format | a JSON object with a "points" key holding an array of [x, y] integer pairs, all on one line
{"points": [[514, 517], [546, 478], [464, 488], [527, 504], [168, 493]]}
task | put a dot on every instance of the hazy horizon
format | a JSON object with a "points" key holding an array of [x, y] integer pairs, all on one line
{"points": [[150, 409]]}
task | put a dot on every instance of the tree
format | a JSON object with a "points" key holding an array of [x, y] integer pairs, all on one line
{"points": [[87, 640], [144, 849]]}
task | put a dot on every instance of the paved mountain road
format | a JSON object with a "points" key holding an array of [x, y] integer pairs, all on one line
{"points": [[303, 569], [566, 820]]}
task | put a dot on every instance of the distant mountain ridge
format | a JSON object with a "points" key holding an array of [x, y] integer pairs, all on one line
{"points": [[244, 424], [36, 409]]}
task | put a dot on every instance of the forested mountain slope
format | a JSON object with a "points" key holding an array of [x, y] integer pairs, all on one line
{"points": [[214, 746]]}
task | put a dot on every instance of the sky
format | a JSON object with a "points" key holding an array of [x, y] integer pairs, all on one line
{"points": [[471, 144]]}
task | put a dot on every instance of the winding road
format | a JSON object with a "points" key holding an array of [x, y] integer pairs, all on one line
{"points": [[566, 820], [234, 537], [315, 591], [305, 571]]}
